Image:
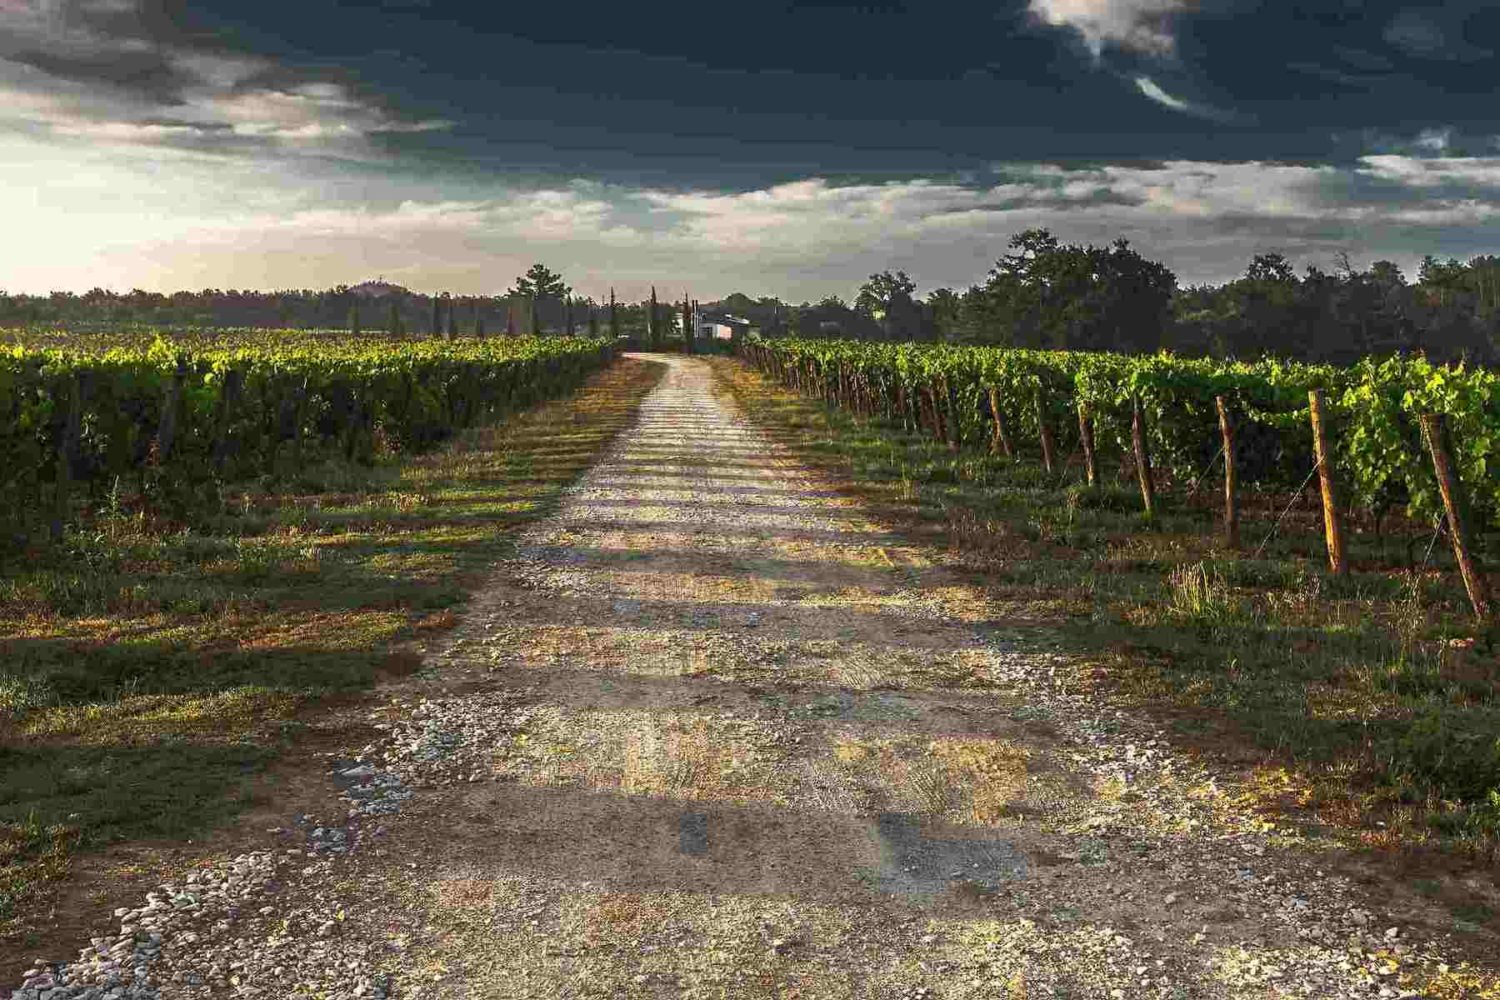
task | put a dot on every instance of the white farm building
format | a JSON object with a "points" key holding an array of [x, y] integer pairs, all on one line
{"points": [[718, 326]]}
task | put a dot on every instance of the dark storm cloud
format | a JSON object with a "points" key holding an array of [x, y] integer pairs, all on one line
{"points": [[1434, 33], [139, 72]]}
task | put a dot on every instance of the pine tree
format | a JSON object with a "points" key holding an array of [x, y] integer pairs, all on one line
{"points": [[653, 334]]}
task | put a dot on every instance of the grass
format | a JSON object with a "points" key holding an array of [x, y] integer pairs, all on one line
{"points": [[1365, 706], [150, 670]]}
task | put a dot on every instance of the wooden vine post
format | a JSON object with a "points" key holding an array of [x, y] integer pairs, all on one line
{"points": [[1000, 439], [1086, 439], [953, 432], [166, 427], [1333, 523], [1231, 476], [1142, 456], [230, 391], [929, 401], [1044, 431], [1435, 429], [67, 454]]}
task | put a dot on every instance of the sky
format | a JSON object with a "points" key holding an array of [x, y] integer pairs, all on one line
{"points": [[774, 148]]}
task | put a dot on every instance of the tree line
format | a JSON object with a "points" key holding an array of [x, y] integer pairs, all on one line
{"points": [[1047, 294], [540, 301], [1041, 293]]}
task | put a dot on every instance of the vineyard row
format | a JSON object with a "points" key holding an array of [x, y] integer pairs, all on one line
{"points": [[174, 424], [1384, 434]]}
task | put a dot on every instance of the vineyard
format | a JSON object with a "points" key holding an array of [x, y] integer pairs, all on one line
{"points": [[172, 421], [1399, 435]]}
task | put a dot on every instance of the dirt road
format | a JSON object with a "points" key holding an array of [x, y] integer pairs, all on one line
{"points": [[714, 733]]}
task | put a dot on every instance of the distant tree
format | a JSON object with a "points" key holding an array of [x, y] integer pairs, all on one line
{"points": [[1046, 294], [1271, 268], [395, 322], [540, 285], [887, 299], [945, 311], [1441, 279], [541, 282], [653, 333], [614, 317], [452, 316], [354, 317], [437, 315]]}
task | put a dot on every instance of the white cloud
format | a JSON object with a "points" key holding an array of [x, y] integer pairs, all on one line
{"points": [[1188, 188], [1435, 140], [93, 71], [1431, 172], [1140, 25]]}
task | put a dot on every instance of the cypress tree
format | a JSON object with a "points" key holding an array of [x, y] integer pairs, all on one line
{"points": [[687, 325], [614, 317], [395, 318], [510, 318], [593, 320], [534, 325], [437, 315], [652, 333], [478, 321], [452, 320], [354, 317]]}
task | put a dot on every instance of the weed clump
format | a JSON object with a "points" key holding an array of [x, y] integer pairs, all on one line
{"points": [[1200, 596]]}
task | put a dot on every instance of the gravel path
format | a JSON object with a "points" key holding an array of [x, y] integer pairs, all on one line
{"points": [[714, 733]]}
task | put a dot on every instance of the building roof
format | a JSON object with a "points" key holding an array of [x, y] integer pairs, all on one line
{"points": [[723, 318]]}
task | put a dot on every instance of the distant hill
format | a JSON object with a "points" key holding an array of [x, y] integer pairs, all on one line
{"points": [[377, 289]]}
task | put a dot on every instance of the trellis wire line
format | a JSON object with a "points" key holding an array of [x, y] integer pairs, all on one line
{"points": [[1076, 451], [1206, 470], [1438, 528], [1295, 497]]}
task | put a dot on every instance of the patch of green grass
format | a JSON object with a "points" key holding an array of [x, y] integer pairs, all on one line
{"points": [[148, 669], [31, 857]]}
